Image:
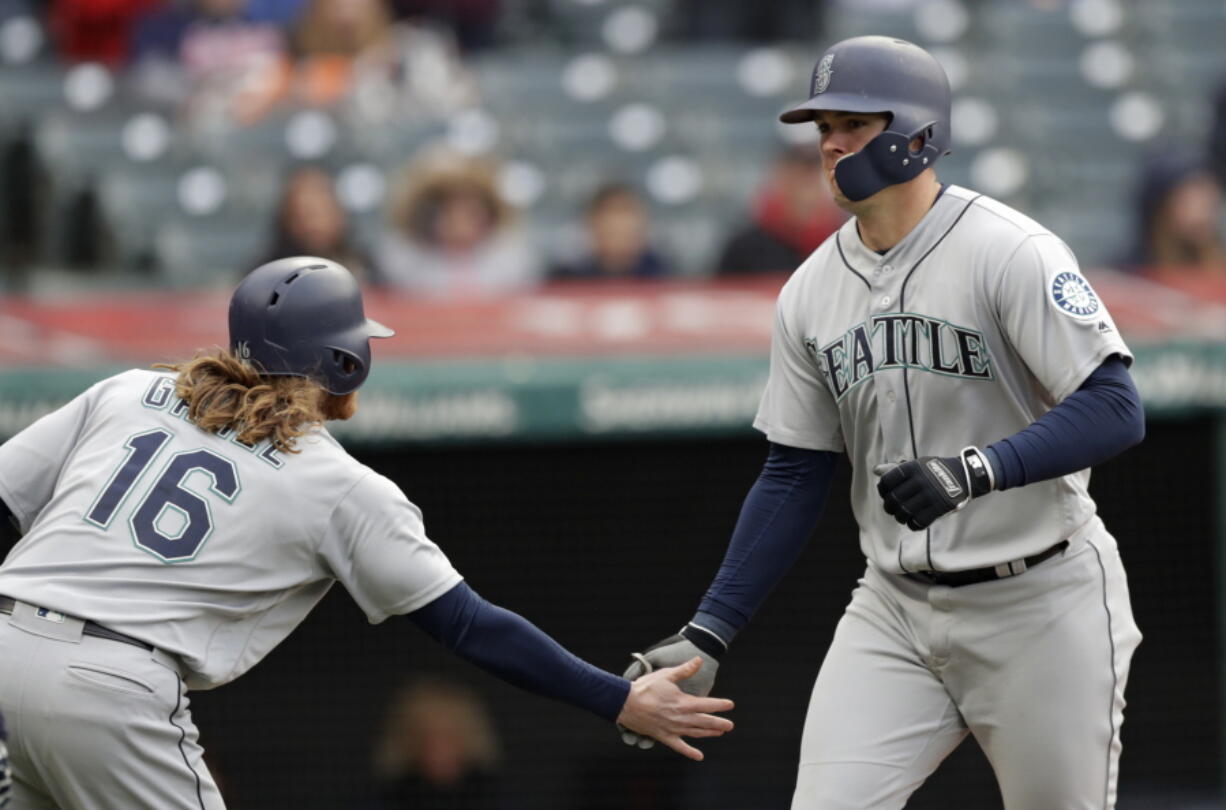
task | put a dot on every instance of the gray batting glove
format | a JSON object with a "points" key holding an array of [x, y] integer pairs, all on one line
{"points": [[673, 651]]}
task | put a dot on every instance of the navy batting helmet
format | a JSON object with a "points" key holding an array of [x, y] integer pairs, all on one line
{"points": [[303, 317], [882, 75]]}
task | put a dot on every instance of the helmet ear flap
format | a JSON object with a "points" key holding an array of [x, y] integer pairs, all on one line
{"points": [[346, 362], [924, 136], [347, 370], [885, 161]]}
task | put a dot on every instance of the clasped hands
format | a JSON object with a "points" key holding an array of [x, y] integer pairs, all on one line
{"points": [[670, 682]]}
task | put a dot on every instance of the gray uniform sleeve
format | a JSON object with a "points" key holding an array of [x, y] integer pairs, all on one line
{"points": [[31, 462], [797, 408], [1053, 318], [376, 546]]}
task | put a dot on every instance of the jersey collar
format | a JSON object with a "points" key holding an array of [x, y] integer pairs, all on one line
{"points": [[945, 210]]}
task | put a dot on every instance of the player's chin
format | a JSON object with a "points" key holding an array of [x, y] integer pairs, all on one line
{"points": [[340, 408], [836, 193], [840, 199]]}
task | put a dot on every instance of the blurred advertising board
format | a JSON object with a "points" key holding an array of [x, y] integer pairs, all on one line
{"points": [[569, 361]]}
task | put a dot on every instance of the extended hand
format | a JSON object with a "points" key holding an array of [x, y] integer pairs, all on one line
{"points": [[919, 491], [656, 707], [670, 652]]}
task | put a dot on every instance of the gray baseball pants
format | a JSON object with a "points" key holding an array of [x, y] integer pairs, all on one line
{"points": [[1034, 666], [96, 724]]}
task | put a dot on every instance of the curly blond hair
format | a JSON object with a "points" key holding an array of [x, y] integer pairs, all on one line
{"points": [[223, 391]]}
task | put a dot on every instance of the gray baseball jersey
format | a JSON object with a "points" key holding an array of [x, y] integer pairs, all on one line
{"points": [[210, 550], [971, 328]]}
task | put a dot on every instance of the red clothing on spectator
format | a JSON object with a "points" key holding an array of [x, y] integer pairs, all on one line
{"points": [[95, 30], [775, 216]]}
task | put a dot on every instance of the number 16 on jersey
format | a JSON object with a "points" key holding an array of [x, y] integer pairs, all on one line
{"points": [[170, 521]]}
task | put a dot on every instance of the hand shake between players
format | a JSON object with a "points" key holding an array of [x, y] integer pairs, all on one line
{"points": [[657, 707]]}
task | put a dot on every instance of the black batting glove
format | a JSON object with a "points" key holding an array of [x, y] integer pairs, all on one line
{"points": [[919, 491]]}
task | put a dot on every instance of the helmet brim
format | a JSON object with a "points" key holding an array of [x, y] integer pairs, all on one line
{"points": [[375, 329], [842, 102]]}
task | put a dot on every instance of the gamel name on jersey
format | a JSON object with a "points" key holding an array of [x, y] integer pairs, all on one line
{"points": [[161, 394]]}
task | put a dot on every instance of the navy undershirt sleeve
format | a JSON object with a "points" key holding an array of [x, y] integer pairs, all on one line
{"points": [[775, 523], [515, 650], [1101, 419]]}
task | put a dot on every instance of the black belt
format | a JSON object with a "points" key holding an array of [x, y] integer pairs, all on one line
{"points": [[957, 579], [7, 603]]}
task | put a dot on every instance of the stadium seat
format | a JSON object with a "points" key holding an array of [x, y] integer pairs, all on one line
{"points": [[844, 19], [206, 252], [75, 148]]}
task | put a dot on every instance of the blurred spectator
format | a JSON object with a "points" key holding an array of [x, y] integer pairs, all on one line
{"points": [[213, 55], [281, 12], [1178, 219], [792, 215], [438, 751], [331, 40], [310, 221], [231, 64], [451, 234], [617, 241], [352, 49], [95, 30]]}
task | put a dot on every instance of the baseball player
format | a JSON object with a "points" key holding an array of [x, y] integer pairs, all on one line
{"points": [[951, 347], [177, 526]]}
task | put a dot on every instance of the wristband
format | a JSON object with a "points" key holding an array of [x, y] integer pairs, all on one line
{"points": [[704, 639], [980, 477]]}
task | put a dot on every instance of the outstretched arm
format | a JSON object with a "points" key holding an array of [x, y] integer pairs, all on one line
{"points": [[775, 523], [776, 520], [518, 652], [512, 648]]}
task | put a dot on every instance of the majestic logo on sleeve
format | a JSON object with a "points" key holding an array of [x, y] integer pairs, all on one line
{"points": [[822, 73], [901, 340], [1073, 295]]}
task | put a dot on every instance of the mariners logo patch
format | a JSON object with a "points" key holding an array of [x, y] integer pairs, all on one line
{"points": [[821, 76], [1074, 295]]}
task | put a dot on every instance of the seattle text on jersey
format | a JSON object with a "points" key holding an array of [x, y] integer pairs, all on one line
{"points": [[901, 340]]}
